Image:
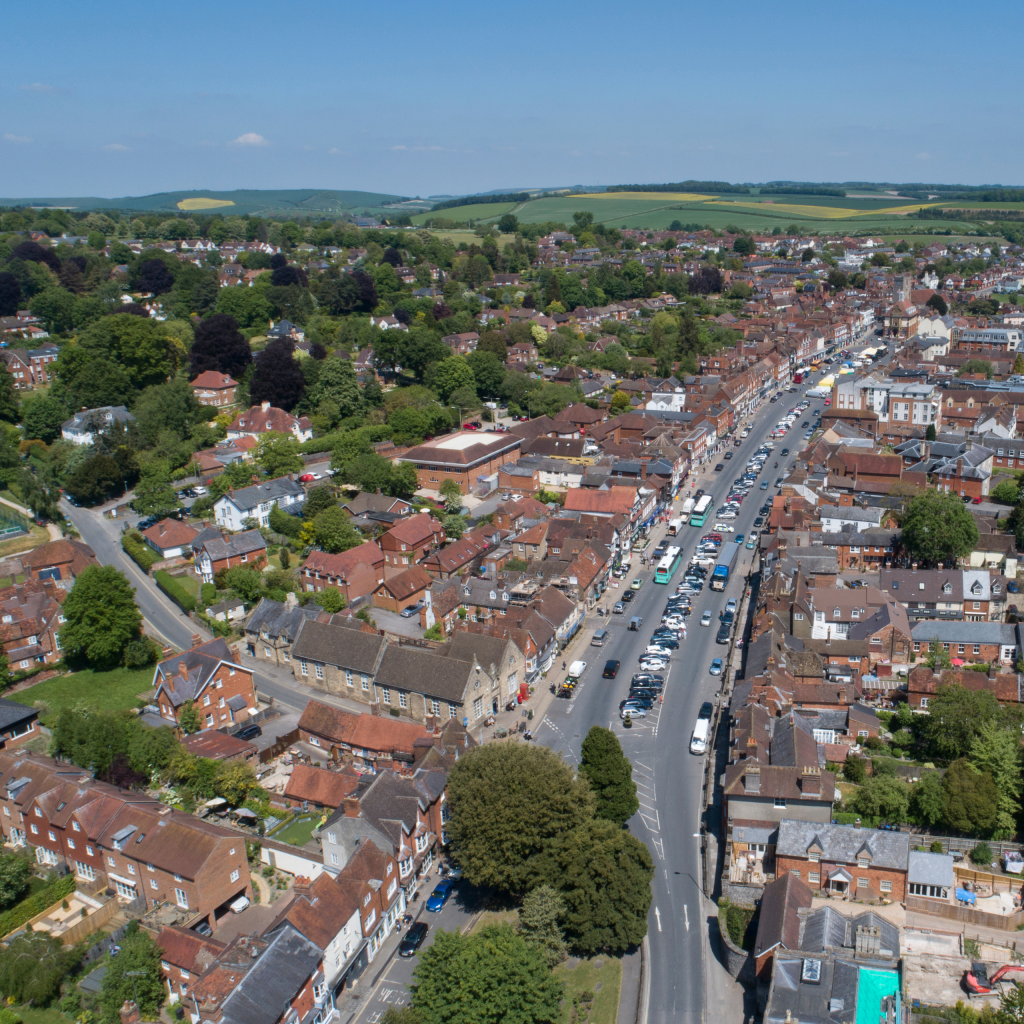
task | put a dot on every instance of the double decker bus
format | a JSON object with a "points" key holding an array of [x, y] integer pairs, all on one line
{"points": [[666, 567], [701, 511]]}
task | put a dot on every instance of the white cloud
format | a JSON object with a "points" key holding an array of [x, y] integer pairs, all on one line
{"points": [[116, 147], [250, 139], [924, 156], [42, 87], [18, 140], [399, 147], [334, 149]]}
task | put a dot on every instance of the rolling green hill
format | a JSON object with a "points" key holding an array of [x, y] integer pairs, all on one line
{"points": [[265, 202]]}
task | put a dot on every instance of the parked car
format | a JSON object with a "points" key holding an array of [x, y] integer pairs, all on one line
{"points": [[413, 609], [439, 897], [632, 712], [716, 667], [413, 939], [618, 608]]}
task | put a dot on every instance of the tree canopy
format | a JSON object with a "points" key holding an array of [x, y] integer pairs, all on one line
{"points": [[937, 527], [101, 617]]}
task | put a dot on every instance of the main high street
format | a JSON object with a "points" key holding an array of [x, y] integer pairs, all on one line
{"points": [[669, 779]]}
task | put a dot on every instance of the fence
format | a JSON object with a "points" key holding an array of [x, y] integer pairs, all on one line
{"points": [[965, 915], [281, 744], [960, 846], [93, 923]]}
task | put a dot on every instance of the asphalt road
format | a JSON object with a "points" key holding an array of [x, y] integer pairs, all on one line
{"points": [[668, 777]]}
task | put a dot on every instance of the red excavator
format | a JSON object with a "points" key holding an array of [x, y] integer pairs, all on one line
{"points": [[977, 981]]}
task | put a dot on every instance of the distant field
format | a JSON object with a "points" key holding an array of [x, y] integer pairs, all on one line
{"points": [[203, 204], [477, 211]]}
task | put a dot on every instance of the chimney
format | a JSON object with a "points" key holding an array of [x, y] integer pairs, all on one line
{"points": [[926, 449], [130, 1012], [265, 406], [913, 566], [351, 807], [938, 565], [196, 640], [810, 781], [868, 941], [856, 823], [290, 600], [303, 886], [752, 780]]}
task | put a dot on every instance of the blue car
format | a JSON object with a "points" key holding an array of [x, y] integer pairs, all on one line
{"points": [[738, 538], [439, 897]]}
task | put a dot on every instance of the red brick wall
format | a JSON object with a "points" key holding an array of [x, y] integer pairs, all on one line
{"points": [[874, 876]]}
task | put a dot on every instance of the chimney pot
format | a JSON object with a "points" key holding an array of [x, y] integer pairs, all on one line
{"points": [[351, 807], [196, 641], [130, 1012]]}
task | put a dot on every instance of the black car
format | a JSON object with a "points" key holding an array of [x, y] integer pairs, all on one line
{"points": [[643, 702], [706, 710], [665, 639], [647, 679], [700, 491], [645, 691], [723, 633], [759, 521], [765, 509], [648, 684], [611, 670], [728, 455], [627, 595], [719, 467], [249, 732], [785, 451], [413, 939], [726, 617]]}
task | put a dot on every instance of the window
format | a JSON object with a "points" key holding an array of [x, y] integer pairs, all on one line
{"points": [[76, 826], [885, 885], [303, 666], [799, 616], [862, 883], [435, 707], [924, 702], [53, 838], [206, 700], [977, 648], [84, 871], [478, 708], [112, 862], [793, 871], [332, 837], [814, 856], [319, 670], [348, 677], [71, 844], [364, 681], [89, 851], [154, 884], [814, 877], [780, 801], [334, 858], [181, 898], [403, 699], [385, 695], [131, 869], [234, 875]]}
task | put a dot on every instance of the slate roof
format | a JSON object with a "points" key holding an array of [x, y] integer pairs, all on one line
{"points": [[245, 543], [12, 713], [199, 663], [279, 620], [431, 673], [779, 922], [928, 868], [247, 498], [335, 645], [965, 632], [840, 844]]}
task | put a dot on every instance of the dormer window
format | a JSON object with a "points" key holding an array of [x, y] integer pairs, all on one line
{"points": [[947, 588], [8, 618]]}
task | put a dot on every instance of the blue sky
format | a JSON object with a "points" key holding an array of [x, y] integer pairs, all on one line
{"points": [[457, 97]]}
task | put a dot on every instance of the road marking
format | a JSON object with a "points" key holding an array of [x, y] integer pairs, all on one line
{"points": [[642, 765], [648, 818], [657, 914], [668, 888], [686, 917]]}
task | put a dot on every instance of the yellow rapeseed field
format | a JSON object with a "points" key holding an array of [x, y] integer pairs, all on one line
{"points": [[203, 203]]}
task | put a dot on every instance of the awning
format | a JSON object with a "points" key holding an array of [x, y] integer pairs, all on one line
{"points": [[124, 881], [217, 801], [840, 875]]}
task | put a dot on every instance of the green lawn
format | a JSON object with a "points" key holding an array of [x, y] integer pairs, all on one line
{"points": [[106, 691], [584, 979], [298, 832], [37, 1015]]}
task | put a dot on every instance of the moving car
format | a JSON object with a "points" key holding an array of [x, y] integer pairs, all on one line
{"points": [[785, 451], [413, 938], [439, 897], [611, 670], [618, 608], [636, 584], [716, 667], [705, 619]]}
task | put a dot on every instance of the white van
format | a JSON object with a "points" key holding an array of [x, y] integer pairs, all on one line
{"points": [[699, 739]]}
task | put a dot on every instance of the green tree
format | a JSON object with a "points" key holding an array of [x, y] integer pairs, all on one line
{"points": [[278, 454], [452, 494], [938, 303], [330, 599], [603, 873], [493, 977], [996, 752], [971, 803], [333, 532], [620, 403], [404, 481], [976, 366], [884, 797], [154, 494], [449, 375], [926, 800], [246, 583], [8, 397], [508, 223], [282, 522], [33, 966], [929, 434], [141, 956], [1011, 1000], [168, 407], [454, 527], [188, 718], [42, 417], [1018, 365], [954, 720], [937, 657], [319, 498], [937, 528], [488, 373], [100, 617], [538, 922], [15, 873], [144, 348], [410, 425], [509, 802], [1005, 492], [610, 774], [337, 384]]}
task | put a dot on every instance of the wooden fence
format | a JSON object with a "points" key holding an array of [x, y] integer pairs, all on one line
{"points": [[281, 744], [965, 915]]}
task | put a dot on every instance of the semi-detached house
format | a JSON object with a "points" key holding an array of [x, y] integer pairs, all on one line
{"points": [[255, 502]]}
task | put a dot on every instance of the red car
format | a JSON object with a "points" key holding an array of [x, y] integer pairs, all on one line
{"points": [[468, 426], [977, 501], [306, 477]]}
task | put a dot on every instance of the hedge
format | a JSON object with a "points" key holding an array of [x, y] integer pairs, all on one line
{"points": [[175, 591], [138, 552], [36, 904]]}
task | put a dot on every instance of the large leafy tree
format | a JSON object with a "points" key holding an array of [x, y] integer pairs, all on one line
{"points": [[539, 918], [996, 751], [32, 968], [144, 348], [494, 977], [219, 345], [278, 454], [488, 373], [971, 803], [610, 774], [603, 873], [8, 397], [278, 378], [449, 375], [333, 532], [884, 796], [337, 384], [509, 803], [42, 417], [955, 718], [94, 479], [938, 528], [15, 873], [168, 407], [101, 617], [140, 955], [10, 294]]}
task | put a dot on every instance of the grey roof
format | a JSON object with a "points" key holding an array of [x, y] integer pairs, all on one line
{"points": [[428, 672], [930, 868], [13, 713], [841, 844], [851, 514], [264, 994], [793, 743], [965, 632], [779, 921], [244, 543], [333, 644], [200, 663], [249, 497], [488, 650], [364, 502], [98, 418], [279, 620], [826, 929]]}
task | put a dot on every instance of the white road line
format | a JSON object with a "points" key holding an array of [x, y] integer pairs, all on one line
{"points": [[660, 847], [686, 916], [657, 914], [642, 765]]}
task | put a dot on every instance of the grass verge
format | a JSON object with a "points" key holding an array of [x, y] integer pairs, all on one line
{"points": [[601, 984]]}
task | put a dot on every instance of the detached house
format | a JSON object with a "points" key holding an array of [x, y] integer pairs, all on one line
{"points": [[267, 419], [218, 554], [255, 502], [221, 690], [411, 540], [356, 572], [214, 389]]}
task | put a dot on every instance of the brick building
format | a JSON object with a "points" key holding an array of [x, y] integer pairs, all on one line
{"points": [[356, 572], [403, 590], [218, 554], [214, 389], [411, 540], [30, 619], [62, 560], [844, 860], [464, 457], [221, 690]]}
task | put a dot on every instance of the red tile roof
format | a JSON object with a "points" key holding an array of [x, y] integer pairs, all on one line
{"points": [[320, 786], [169, 533], [213, 379]]}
